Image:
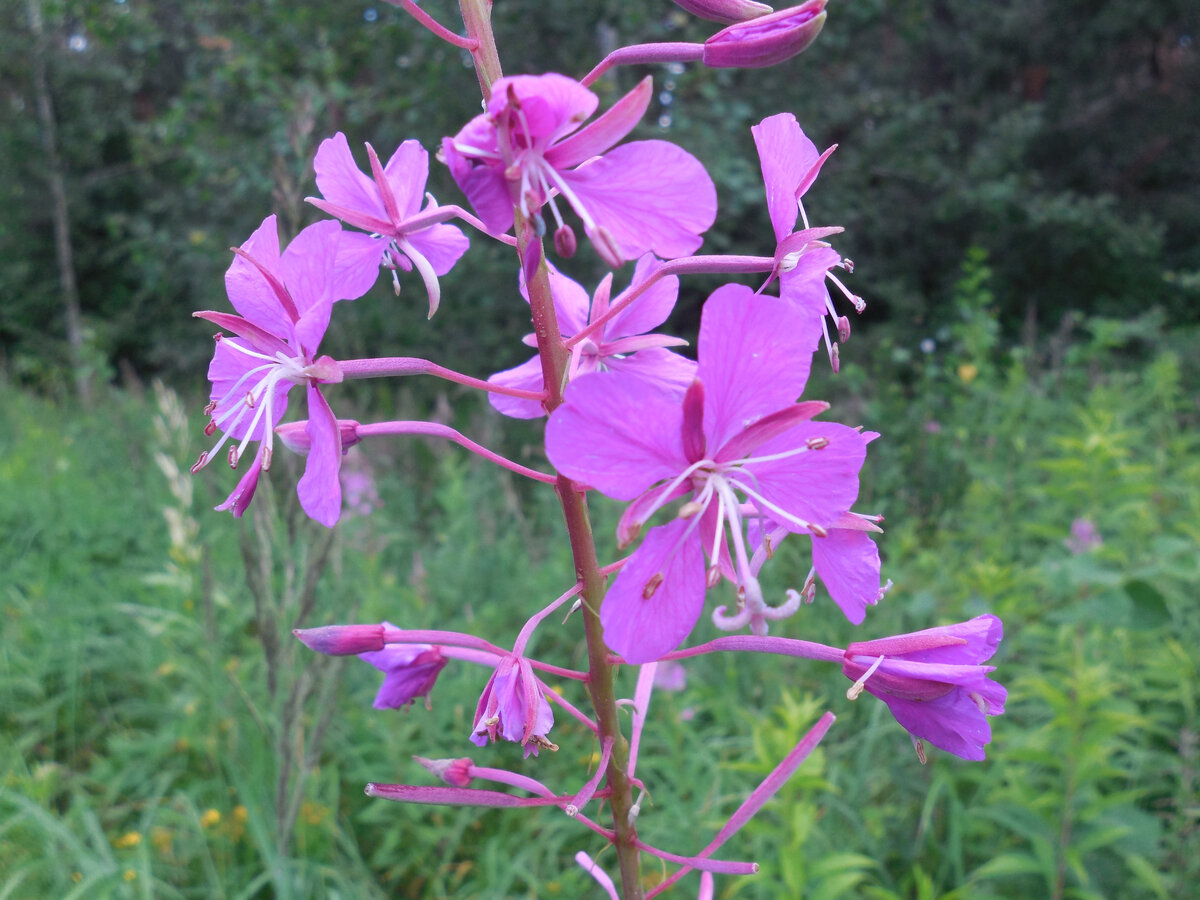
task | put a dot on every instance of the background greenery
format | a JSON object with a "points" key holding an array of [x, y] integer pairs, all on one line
{"points": [[1018, 184]]}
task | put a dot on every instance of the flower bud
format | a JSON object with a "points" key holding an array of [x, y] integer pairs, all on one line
{"points": [[455, 772], [766, 40], [294, 435], [726, 11], [342, 640]]}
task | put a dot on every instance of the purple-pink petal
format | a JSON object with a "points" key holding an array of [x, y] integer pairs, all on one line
{"points": [[239, 500], [357, 267], [847, 563], [526, 377], [753, 359], [552, 105], [649, 310], [341, 182], [657, 365], [652, 196], [597, 136], [443, 245], [616, 433], [306, 267], [410, 671], [816, 486], [319, 488], [658, 595], [786, 156], [407, 171], [969, 643], [249, 292], [952, 722]]}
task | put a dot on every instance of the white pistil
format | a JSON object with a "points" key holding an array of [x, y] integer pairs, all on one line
{"points": [[856, 689]]}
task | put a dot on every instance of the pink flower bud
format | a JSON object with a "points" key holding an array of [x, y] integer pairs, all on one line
{"points": [[766, 40], [294, 435], [342, 640], [456, 772], [727, 11]]}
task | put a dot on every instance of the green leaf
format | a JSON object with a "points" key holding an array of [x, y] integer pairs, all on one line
{"points": [[1149, 605]]}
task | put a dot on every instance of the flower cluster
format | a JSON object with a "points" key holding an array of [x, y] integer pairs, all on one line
{"points": [[717, 455]]}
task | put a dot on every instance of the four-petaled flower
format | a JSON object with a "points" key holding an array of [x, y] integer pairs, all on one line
{"points": [[621, 345], [389, 206], [284, 300], [512, 707], [790, 164], [736, 433], [528, 148], [934, 682]]}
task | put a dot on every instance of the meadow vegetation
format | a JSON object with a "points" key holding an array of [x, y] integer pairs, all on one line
{"points": [[161, 737]]}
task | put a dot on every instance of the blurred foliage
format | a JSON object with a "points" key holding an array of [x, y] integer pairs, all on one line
{"points": [[1058, 138]]}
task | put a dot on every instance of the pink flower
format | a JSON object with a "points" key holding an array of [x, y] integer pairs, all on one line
{"points": [[528, 148], [737, 445], [512, 707], [284, 301], [790, 164], [410, 671], [620, 345], [934, 682], [389, 206], [1084, 537]]}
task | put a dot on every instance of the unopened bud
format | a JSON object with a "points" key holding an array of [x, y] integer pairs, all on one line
{"points": [[564, 241], [726, 11], [766, 40], [456, 772], [294, 435], [342, 640]]}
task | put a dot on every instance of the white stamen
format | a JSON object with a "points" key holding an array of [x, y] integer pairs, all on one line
{"points": [[856, 689]]}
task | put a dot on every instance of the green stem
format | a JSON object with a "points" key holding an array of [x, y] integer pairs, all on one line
{"points": [[477, 17]]}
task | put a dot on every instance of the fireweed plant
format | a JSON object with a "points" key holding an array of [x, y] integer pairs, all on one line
{"points": [[717, 458]]}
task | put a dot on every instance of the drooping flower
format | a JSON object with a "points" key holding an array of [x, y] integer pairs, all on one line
{"points": [[737, 445], [528, 148], [934, 682], [621, 345], [284, 302], [389, 206], [790, 164], [410, 671], [512, 707]]}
